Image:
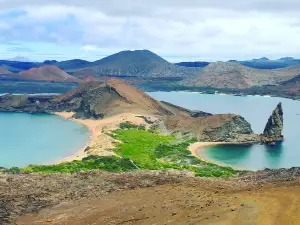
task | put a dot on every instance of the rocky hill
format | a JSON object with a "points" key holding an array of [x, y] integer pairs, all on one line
{"points": [[235, 75], [47, 73], [265, 63], [261, 63], [291, 86], [274, 126], [139, 63]]}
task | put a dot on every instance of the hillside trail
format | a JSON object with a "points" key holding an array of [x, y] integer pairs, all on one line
{"points": [[207, 203]]}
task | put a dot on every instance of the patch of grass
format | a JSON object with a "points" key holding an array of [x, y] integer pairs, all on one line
{"points": [[154, 151], [154, 128], [139, 145], [129, 125], [111, 164]]}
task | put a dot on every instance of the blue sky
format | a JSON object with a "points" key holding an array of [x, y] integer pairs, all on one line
{"points": [[177, 30]]}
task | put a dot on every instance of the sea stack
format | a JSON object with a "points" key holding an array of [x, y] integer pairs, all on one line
{"points": [[273, 130]]}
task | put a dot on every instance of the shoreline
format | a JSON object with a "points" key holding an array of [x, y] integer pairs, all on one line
{"points": [[100, 143], [79, 155], [229, 94], [198, 146], [99, 128], [195, 147]]}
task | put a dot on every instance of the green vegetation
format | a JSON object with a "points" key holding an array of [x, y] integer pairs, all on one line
{"points": [[128, 125], [111, 164], [139, 145], [139, 149], [150, 150]]}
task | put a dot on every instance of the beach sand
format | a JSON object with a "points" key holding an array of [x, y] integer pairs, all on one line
{"points": [[198, 146], [195, 147], [100, 143]]}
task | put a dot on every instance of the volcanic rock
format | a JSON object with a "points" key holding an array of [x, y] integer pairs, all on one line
{"points": [[274, 126]]}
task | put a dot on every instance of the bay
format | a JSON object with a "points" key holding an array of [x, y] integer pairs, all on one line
{"points": [[256, 110], [38, 139]]}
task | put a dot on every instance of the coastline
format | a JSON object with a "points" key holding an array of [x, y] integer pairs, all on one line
{"points": [[195, 147], [100, 143], [198, 146], [81, 153]]}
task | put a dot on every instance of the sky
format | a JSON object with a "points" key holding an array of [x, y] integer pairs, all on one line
{"points": [[177, 30]]}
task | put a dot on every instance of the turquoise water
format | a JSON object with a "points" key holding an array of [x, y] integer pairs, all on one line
{"points": [[37, 139], [256, 110]]}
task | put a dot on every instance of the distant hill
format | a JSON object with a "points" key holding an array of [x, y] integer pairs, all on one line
{"points": [[47, 73], [291, 86], [85, 74], [18, 66], [69, 64], [262, 63], [265, 63], [192, 64], [4, 71], [139, 63], [235, 75], [15, 66]]}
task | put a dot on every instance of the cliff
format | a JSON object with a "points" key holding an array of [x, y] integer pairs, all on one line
{"points": [[274, 126]]}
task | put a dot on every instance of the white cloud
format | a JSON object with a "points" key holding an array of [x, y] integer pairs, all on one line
{"points": [[203, 30], [90, 48]]}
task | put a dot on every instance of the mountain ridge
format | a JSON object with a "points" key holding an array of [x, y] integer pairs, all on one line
{"points": [[235, 75], [139, 63]]}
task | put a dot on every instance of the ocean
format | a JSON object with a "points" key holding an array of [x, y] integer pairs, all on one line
{"points": [[38, 139], [256, 110]]}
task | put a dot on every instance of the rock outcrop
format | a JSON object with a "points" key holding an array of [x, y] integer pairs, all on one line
{"points": [[274, 126], [235, 130]]}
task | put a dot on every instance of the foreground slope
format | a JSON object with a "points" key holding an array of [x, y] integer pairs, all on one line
{"points": [[166, 197]]}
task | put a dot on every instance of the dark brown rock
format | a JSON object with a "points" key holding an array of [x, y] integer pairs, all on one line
{"points": [[274, 126]]}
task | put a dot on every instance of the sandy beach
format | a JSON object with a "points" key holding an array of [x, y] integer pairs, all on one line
{"points": [[195, 147], [100, 143]]}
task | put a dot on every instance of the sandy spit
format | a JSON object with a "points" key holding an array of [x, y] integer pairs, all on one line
{"points": [[100, 143]]}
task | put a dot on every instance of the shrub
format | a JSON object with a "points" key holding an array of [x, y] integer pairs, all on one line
{"points": [[129, 125]]}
